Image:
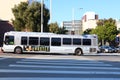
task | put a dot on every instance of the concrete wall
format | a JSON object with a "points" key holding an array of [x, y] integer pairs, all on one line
{"points": [[5, 26], [5, 8]]}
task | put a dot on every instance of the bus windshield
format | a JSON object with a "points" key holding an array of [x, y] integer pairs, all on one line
{"points": [[9, 40]]}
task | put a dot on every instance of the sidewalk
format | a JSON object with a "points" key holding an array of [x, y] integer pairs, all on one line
{"points": [[103, 54]]}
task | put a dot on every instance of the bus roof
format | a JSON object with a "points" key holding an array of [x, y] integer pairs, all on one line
{"points": [[18, 33]]}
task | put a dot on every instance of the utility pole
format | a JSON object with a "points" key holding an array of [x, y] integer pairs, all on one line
{"points": [[42, 3], [73, 22], [50, 11]]}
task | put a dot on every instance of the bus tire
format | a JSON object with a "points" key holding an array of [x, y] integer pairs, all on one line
{"points": [[78, 52], [18, 50]]}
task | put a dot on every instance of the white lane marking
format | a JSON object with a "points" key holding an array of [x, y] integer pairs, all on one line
{"points": [[62, 67], [2, 58], [59, 57], [80, 64], [38, 78], [61, 61], [60, 72]]}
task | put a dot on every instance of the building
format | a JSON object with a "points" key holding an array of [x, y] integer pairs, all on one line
{"points": [[73, 27], [89, 20], [6, 8], [118, 24], [6, 15], [5, 26]]}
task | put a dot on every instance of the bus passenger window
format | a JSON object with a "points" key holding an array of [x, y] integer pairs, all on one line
{"points": [[86, 41], [56, 41], [9, 40], [76, 41], [45, 41], [23, 40], [33, 40], [67, 41]]}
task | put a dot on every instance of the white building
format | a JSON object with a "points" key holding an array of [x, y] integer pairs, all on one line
{"points": [[6, 8], [118, 24], [73, 27], [89, 20]]}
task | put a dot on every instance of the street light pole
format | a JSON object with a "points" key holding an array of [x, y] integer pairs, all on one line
{"points": [[50, 11], [73, 18], [42, 2], [81, 27], [73, 21]]}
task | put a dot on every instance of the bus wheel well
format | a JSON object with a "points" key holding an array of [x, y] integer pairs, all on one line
{"points": [[78, 51], [18, 50]]}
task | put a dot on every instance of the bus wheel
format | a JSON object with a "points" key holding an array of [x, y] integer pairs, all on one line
{"points": [[78, 52], [18, 50]]}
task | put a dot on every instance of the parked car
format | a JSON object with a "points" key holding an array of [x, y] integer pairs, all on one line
{"points": [[114, 49], [106, 49], [118, 49]]}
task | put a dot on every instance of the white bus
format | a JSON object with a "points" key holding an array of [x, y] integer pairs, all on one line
{"points": [[36, 42]]}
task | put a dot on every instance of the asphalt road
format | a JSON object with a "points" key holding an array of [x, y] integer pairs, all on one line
{"points": [[46, 67]]}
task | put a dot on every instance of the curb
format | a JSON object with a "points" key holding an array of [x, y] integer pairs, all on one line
{"points": [[103, 54]]}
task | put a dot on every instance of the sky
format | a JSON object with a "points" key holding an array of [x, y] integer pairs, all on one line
{"points": [[62, 10]]}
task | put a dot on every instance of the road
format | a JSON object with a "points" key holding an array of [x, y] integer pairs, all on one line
{"points": [[46, 67]]}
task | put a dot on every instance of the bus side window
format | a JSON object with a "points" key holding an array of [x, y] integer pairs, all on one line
{"points": [[9, 40], [67, 41], [56, 41], [76, 41], [86, 41], [44, 41], [23, 40], [33, 40]]}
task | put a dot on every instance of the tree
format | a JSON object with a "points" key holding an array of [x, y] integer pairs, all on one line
{"points": [[111, 30], [100, 31], [28, 17], [87, 31], [62, 30], [106, 30], [18, 11], [53, 27]]}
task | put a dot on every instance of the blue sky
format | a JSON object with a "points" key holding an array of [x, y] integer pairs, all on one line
{"points": [[62, 9]]}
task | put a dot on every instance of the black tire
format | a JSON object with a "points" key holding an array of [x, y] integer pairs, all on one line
{"points": [[18, 50], [78, 52]]}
